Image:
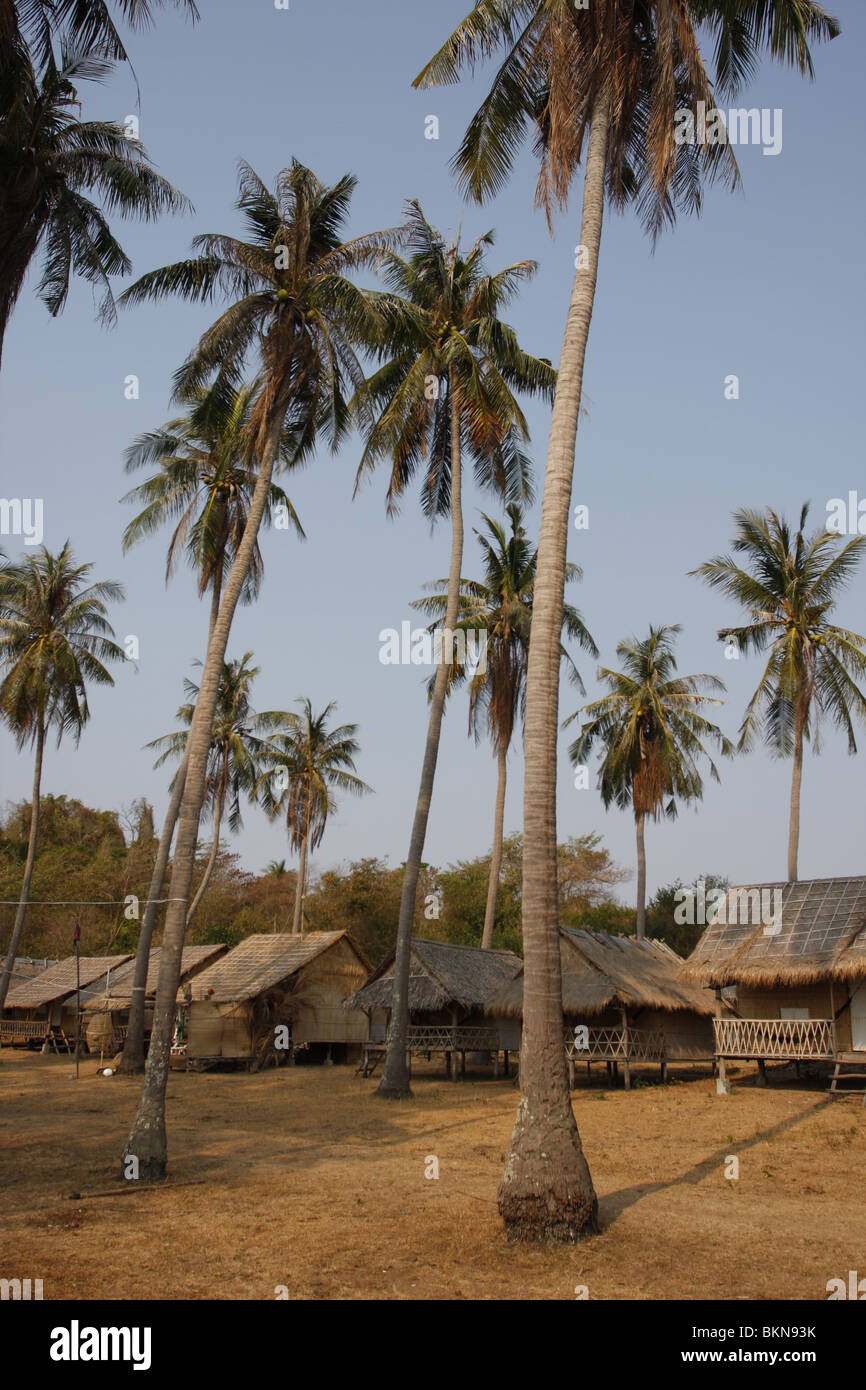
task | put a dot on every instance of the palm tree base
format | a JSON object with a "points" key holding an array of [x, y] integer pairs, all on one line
{"points": [[131, 1066], [546, 1193], [394, 1090], [149, 1148]]}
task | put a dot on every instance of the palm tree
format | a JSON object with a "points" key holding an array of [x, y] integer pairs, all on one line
{"points": [[49, 161], [307, 763], [276, 868], [788, 586], [446, 388], [500, 606], [601, 82], [652, 734], [55, 640], [292, 306], [237, 746], [204, 484], [86, 23]]}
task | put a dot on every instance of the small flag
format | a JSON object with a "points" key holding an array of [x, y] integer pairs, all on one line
{"points": [[76, 935]]}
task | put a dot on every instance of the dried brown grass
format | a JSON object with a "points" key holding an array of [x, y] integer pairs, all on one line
{"points": [[300, 1177]]}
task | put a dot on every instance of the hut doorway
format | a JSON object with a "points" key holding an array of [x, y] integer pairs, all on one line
{"points": [[858, 1019]]}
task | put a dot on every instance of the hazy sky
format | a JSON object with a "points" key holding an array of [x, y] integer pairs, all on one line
{"points": [[768, 285]]}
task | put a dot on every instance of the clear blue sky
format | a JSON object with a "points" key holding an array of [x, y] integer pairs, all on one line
{"points": [[767, 285]]}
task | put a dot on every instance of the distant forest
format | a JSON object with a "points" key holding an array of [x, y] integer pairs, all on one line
{"points": [[106, 857]]}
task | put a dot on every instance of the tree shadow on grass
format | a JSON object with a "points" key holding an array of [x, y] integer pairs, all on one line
{"points": [[612, 1206]]}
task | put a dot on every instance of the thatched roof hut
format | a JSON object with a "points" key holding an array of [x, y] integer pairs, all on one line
{"points": [[628, 993], [444, 978], [299, 980], [791, 957], [54, 985], [817, 934], [601, 972], [113, 991]]}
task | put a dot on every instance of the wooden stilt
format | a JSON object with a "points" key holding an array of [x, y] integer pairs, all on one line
{"points": [[723, 1085], [625, 1066]]}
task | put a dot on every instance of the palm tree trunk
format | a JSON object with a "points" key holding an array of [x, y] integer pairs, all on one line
{"points": [[395, 1074], [147, 1140], [132, 1059], [796, 782], [214, 849], [20, 241], [496, 853], [301, 888], [546, 1190], [24, 897], [639, 821], [216, 592]]}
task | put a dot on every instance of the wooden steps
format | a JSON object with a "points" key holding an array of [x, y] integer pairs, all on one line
{"points": [[850, 1067]]}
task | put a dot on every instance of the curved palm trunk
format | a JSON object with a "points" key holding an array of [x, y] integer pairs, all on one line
{"points": [[24, 898], [496, 853], [300, 889], [395, 1075], [147, 1140], [796, 782], [132, 1059], [640, 821], [546, 1190], [214, 849]]}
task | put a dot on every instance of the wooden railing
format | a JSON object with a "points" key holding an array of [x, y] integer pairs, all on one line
{"points": [[784, 1038], [613, 1045], [442, 1038], [22, 1029]]}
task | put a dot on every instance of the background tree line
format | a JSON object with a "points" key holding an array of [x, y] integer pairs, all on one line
{"points": [[101, 857]]}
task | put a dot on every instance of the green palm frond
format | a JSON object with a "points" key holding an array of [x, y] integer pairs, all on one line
{"points": [[500, 606], [443, 348], [55, 640], [788, 584], [650, 728], [555, 58], [63, 178], [304, 763]]}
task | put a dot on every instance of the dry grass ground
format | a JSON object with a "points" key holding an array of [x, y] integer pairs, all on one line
{"points": [[299, 1177]]}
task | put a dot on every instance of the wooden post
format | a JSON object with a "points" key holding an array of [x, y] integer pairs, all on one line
{"points": [[762, 1072], [723, 1085], [626, 1067], [833, 1018], [505, 1055]]}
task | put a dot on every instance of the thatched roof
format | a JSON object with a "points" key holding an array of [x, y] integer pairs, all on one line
{"points": [[822, 935], [601, 972], [27, 968], [441, 975], [114, 990], [262, 962], [58, 981]]}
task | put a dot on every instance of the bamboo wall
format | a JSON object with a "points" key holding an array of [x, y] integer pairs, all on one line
{"points": [[768, 1003]]}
